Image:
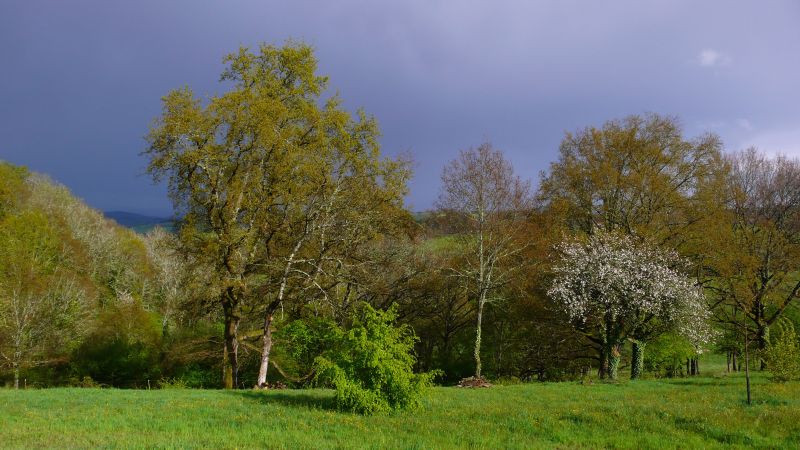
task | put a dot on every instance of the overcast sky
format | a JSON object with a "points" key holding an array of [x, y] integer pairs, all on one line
{"points": [[80, 81]]}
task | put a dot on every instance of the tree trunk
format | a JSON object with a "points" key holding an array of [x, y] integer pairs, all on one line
{"points": [[445, 358], [637, 359], [602, 371], [747, 367], [478, 339], [266, 336], [231, 372], [225, 366], [265, 351], [728, 369], [16, 376], [733, 361], [613, 355], [611, 347]]}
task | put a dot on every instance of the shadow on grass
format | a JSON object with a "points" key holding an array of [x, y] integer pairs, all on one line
{"points": [[702, 381], [768, 401], [699, 427], [290, 398]]}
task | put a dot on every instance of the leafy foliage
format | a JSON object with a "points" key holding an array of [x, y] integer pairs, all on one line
{"points": [[12, 179], [372, 368], [667, 354], [617, 288], [629, 284], [124, 348], [303, 340], [783, 352], [273, 182], [286, 204], [40, 298]]}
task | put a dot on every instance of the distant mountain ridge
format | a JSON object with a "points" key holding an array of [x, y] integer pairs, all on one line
{"points": [[139, 222], [143, 223]]}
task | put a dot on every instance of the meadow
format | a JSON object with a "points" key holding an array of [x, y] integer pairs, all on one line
{"points": [[707, 411]]}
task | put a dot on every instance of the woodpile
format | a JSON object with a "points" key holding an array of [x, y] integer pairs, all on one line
{"points": [[473, 382]]}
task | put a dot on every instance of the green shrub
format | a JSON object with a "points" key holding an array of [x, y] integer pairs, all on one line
{"points": [[371, 367], [85, 382], [782, 354], [666, 355], [301, 341], [191, 354], [172, 383], [124, 348]]}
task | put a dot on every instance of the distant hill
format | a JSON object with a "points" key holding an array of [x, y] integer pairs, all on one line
{"points": [[420, 216], [142, 223], [139, 222]]}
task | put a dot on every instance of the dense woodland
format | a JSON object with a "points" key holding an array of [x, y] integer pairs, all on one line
{"points": [[637, 250]]}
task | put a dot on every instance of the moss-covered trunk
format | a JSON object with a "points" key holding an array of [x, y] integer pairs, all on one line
{"points": [[613, 357], [637, 359], [477, 351]]}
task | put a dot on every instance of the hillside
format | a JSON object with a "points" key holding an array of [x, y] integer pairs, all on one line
{"points": [[138, 222]]}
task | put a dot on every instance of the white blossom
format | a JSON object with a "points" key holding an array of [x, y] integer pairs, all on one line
{"points": [[640, 288]]}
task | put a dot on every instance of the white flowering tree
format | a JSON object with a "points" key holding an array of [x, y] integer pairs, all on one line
{"points": [[615, 289]]}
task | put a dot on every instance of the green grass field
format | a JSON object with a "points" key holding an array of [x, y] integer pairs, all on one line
{"points": [[700, 412]]}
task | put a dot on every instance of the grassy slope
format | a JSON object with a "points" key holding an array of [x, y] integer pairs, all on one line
{"points": [[699, 412], [691, 413]]}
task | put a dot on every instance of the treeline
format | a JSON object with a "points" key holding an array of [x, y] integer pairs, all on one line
{"points": [[83, 300], [637, 237]]}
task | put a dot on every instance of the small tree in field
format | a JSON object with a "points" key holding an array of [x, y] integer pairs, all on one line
{"points": [[782, 354], [372, 366], [481, 187], [616, 289]]}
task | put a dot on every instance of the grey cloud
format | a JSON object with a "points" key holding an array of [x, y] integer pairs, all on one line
{"points": [[83, 79]]}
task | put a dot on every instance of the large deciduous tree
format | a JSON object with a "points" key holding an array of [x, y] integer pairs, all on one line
{"points": [[640, 176], [756, 258], [480, 188], [614, 288], [267, 179]]}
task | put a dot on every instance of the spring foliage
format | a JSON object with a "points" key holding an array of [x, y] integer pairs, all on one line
{"points": [[783, 353], [372, 366], [633, 286]]}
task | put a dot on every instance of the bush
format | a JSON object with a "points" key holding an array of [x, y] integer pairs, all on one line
{"points": [[301, 341], [123, 350], [666, 355], [85, 382], [172, 383], [191, 354], [371, 367], [782, 354]]}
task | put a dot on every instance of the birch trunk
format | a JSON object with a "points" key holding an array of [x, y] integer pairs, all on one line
{"points": [[266, 348], [267, 331], [477, 352]]}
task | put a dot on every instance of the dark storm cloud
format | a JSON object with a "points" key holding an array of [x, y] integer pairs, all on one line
{"points": [[81, 81]]}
